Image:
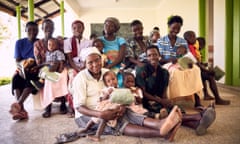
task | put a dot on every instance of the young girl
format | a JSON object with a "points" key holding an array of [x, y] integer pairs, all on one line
{"points": [[53, 66], [99, 45], [136, 106]]}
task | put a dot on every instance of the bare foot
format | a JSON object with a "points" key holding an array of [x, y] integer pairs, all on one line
{"points": [[171, 121], [93, 138]]}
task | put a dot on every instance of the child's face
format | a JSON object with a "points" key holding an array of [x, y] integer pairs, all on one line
{"points": [[191, 39], [155, 36], [129, 81], [52, 45], [181, 51], [98, 45], [111, 80]]}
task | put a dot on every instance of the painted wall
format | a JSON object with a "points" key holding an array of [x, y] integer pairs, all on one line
{"points": [[219, 35]]}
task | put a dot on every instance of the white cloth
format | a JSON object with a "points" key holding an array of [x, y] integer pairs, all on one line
{"points": [[86, 90]]}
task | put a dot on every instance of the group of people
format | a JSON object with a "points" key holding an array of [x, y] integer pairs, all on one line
{"points": [[79, 71]]}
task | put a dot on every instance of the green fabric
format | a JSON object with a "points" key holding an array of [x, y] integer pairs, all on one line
{"points": [[122, 96], [184, 62]]}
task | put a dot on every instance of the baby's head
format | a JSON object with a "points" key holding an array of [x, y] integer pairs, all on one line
{"points": [[52, 44], [202, 42], [110, 79], [154, 35], [181, 51], [128, 80], [98, 44], [190, 37]]}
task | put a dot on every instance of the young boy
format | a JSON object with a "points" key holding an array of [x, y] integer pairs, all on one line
{"points": [[52, 67], [206, 74]]}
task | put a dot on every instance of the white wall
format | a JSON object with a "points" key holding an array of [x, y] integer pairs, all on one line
{"points": [[187, 9], [219, 35]]}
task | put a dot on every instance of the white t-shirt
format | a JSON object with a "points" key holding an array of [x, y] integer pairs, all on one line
{"points": [[86, 90]]}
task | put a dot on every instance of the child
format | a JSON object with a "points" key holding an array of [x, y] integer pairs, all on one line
{"points": [[136, 106], [185, 60], [52, 67], [99, 45], [206, 73]]}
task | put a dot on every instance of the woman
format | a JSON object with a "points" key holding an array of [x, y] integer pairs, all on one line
{"points": [[136, 46], [87, 86], [153, 80], [51, 90], [182, 83], [114, 46]]}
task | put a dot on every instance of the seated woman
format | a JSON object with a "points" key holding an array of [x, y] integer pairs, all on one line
{"points": [[114, 46], [181, 83], [154, 80], [52, 90]]}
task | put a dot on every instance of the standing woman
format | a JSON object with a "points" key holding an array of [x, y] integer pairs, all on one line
{"points": [[51, 90], [114, 46]]}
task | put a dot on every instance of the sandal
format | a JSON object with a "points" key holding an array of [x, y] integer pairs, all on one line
{"points": [[20, 115], [208, 117]]}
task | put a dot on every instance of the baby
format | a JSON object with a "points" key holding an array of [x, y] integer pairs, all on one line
{"points": [[53, 66], [136, 106]]}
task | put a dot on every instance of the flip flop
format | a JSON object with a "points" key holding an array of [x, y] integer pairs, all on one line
{"points": [[207, 119]]}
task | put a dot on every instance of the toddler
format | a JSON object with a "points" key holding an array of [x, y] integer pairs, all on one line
{"points": [[53, 66]]}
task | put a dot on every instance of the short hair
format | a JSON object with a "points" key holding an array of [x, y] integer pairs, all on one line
{"points": [[46, 21], [153, 47], [156, 28], [93, 35], [175, 19], [135, 22], [106, 74], [125, 74], [31, 23], [187, 33]]}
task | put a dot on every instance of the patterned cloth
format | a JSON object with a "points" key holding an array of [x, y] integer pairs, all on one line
{"points": [[56, 55]]}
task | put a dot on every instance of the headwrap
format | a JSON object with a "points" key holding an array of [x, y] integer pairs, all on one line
{"points": [[73, 42], [115, 21], [88, 51]]}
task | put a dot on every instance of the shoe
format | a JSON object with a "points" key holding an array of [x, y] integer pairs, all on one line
{"points": [[38, 85], [222, 102], [208, 117], [15, 108], [47, 112]]}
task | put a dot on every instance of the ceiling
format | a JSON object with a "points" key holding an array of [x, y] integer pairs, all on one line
{"points": [[43, 8], [50, 8]]}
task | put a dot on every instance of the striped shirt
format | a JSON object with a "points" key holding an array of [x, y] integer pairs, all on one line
{"points": [[165, 48]]}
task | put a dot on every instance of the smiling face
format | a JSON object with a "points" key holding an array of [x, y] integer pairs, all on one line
{"points": [[174, 28], [129, 81], [94, 63], [153, 56], [77, 29], [137, 31]]}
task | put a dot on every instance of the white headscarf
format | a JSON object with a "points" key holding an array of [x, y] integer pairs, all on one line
{"points": [[88, 51]]}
